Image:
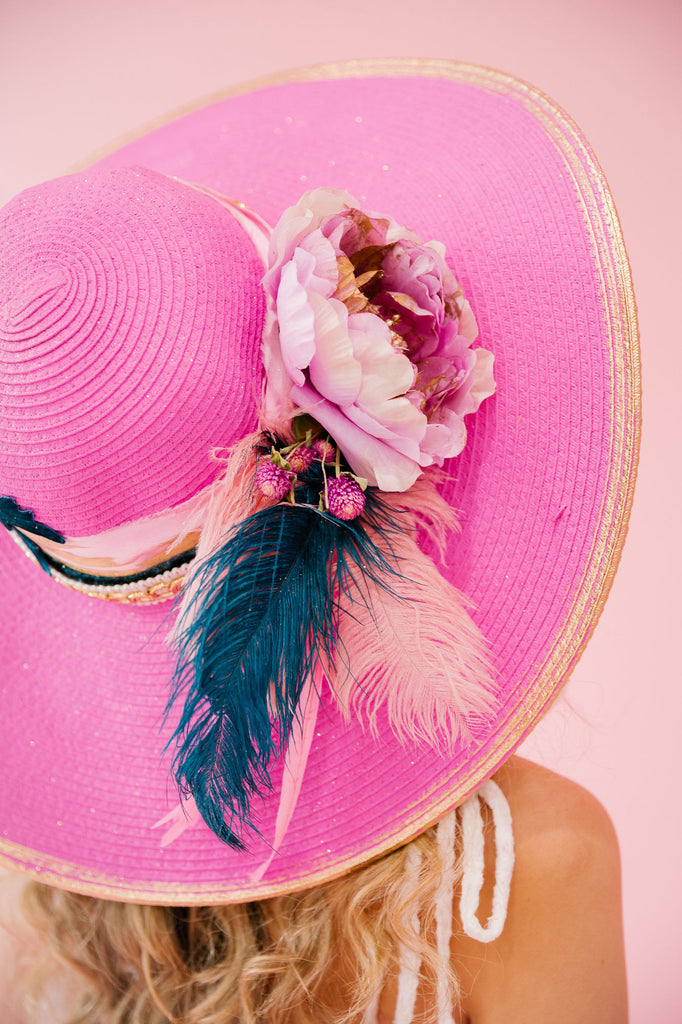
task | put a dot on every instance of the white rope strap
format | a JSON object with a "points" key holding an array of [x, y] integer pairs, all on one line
{"points": [[473, 861], [445, 835], [410, 962], [372, 1012]]}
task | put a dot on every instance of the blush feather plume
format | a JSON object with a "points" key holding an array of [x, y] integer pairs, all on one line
{"points": [[283, 594], [415, 649]]}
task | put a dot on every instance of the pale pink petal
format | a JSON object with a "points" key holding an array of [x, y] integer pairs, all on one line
{"points": [[467, 323], [296, 323], [407, 442], [382, 408], [367, 456], [286, 236], [277, 405], [311, 270], [449, 286], [326, 202], [298, 221], [334, 370], [445, 436], [479, 385], [334, 228], [483, 383], [396, 232], [386, 372], [317, 269]]}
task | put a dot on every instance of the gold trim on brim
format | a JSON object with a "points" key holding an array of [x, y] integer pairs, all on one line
{"points": [[612, 268], [148, 591]]}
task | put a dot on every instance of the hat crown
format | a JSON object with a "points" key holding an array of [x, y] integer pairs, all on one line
{"points": [[131, 315], [35, 299]]}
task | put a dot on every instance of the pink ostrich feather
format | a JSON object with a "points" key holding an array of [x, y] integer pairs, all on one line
{"points": [[233, 497], [414, 648]]}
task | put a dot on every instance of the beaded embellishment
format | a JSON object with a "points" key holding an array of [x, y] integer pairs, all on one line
{"points": [[141, 589]]}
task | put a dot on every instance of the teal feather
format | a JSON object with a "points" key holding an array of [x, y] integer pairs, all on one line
{"points": [[262, 612]]}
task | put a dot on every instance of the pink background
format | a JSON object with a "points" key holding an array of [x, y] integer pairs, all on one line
{"points": [[77, 74]]}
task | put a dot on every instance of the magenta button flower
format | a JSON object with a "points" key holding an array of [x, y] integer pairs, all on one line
{"points": [[273, 481], [324, 450], [374, 339], [301, 458], [345, 499]]}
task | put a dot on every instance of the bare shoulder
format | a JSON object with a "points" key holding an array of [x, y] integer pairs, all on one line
{"points": [[558, 825], [560, 956]]}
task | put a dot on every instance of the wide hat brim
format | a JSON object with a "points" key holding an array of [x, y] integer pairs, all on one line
{"points": [[492, 168]]}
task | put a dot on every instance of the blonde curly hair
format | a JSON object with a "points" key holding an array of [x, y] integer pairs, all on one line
{"points": [[314, 957]]}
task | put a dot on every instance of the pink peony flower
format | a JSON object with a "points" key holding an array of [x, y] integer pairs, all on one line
{"points": [[374, 339]]}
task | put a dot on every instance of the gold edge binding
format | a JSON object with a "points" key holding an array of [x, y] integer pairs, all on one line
{"points": [[620, 317], [612, 265]]}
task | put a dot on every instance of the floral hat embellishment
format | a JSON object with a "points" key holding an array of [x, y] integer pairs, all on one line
{"points": [[374, 339], [277, 476], [309, 574]]}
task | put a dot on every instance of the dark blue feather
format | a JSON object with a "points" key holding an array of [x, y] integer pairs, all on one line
{"points": [[263, 608], [15, 518]]}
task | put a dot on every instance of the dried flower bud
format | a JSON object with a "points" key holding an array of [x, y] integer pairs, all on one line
{"points": [[273, 481], [324, 450], [301, 458], [345, 499]]}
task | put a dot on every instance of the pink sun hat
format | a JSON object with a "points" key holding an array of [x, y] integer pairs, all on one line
{"points": [[150, 328]]}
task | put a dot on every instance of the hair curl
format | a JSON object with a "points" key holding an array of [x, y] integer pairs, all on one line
{"points": [[314, 957]]}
